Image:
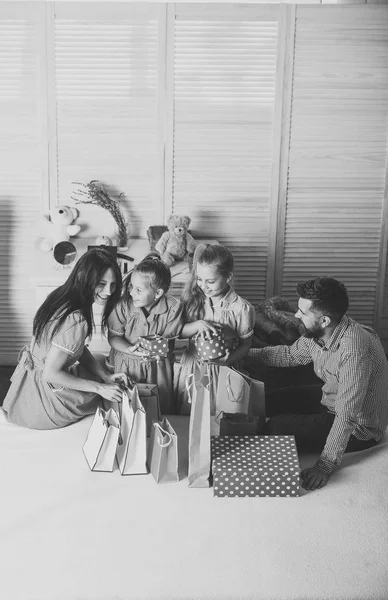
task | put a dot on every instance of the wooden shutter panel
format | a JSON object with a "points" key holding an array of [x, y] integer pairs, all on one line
{"points": [[338, 148], [224, 93], [20, 172], [106, 101]]}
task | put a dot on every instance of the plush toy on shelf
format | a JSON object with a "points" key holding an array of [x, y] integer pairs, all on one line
{"points": [[176, 243], [103, 240], [59, 226]]}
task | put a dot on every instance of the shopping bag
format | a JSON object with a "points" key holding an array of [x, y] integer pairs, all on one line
{"points": [[100, 445], [131, 451], [199, 431], [256, 395], [149, 396], [163, 452], [238, 393], [239, 424]]}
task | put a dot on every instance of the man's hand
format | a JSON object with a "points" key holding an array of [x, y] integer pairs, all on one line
{"points": [[313, 479]]}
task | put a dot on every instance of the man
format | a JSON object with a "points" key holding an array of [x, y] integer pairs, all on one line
{"points": [[352, 408]]}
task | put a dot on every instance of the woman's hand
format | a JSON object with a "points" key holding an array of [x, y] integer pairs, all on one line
{"points": [[122, 378], [206, 330], [113, 392]]}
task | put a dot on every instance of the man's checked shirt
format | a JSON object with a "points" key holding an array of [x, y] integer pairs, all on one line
{"points": [[354, 371]]}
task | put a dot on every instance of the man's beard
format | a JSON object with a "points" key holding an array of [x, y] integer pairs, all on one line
{"points": [[314, 332]]}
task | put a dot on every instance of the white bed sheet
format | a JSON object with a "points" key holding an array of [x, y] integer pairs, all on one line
{"points": [[71, 534]]}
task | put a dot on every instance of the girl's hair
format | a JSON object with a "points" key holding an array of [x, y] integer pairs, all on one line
{"points": [[193, 297], [78, 293], [156, 273]]}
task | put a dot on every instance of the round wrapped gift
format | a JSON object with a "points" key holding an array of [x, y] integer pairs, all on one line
{"points": [[213, 348]]}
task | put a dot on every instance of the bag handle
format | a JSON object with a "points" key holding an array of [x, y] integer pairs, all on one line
{"points": [[189, 385], [163, 432], [231, 394], [218, 417]]}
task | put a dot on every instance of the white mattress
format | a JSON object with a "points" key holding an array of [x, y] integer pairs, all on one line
{"points": [[67, 533]]}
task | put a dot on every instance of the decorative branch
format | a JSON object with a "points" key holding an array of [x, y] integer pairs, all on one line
{"points": [[94, 193]]}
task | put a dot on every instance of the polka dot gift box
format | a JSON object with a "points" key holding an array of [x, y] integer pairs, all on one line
{"points": [[255, 466], [213, 348], [155, 344]]}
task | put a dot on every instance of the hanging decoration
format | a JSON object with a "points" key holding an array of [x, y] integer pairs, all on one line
{"points": [[94, 193]]}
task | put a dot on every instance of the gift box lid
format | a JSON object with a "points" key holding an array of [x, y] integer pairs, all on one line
{"points": [[255, 465]]}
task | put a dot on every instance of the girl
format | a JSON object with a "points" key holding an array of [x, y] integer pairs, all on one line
{"points": [[209, 299], [146, 309], [48, 390]]}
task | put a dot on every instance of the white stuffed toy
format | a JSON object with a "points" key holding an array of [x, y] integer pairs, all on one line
{"points": [[176, 243], [59, 226]]}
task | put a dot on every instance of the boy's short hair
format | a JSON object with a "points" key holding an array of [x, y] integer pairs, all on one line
{"points": [[328, 296]]}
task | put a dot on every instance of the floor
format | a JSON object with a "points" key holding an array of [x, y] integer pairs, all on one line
{"points": [[5, 374]]}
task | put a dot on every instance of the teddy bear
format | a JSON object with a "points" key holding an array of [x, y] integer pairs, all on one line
{"points": [[59, 226], [176, 243]]}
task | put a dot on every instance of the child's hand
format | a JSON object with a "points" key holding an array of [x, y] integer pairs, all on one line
{"points": [[206, 329], [132, 349], [139, 352], [222, 361]]}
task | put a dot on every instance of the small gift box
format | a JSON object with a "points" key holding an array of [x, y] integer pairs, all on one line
{"points": [[213, 348], [154, 344], [255, 466], [240, 424]]}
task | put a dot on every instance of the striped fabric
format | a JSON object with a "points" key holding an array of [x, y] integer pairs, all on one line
{"points": [[354, 371]]}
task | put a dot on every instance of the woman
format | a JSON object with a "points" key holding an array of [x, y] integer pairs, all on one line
{"points": [[57, 380]]}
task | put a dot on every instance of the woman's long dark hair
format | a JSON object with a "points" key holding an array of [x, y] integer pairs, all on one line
{"points": [[78, 293], [193, 298]]}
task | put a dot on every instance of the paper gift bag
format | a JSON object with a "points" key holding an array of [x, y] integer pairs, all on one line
{"points": [[256, 396], [149, 396], [154, 344], [131, 449], [239, 424], [199, 431], [213, 348], [100, 446], [239, 393], [163, 452]]}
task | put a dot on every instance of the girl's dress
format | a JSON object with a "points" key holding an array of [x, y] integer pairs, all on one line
{"points": [[131, 322], [32, 401], [237, 316]]}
